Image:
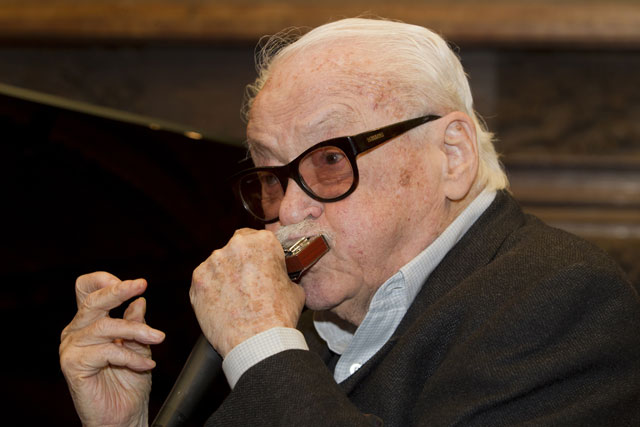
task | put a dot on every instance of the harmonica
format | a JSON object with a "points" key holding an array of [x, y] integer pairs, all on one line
{"points": [[300, 256]]}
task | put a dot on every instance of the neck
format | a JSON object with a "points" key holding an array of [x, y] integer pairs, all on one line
{"points": [[453, 208]]}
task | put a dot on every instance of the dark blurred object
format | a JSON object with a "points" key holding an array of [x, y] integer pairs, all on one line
{"points": [[87, 189], [202, 368]]}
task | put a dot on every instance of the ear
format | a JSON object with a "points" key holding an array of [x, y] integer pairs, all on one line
{"points": [[461, 150]]}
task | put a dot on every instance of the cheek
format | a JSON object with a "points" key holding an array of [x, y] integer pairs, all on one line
{"points": [[357, 221], [405, 179]]}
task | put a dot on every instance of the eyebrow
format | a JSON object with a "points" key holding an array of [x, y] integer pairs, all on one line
{"points": [[332, 119], [257, 150]]}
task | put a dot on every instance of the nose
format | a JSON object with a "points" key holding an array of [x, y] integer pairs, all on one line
{"points": [[297, 206]]}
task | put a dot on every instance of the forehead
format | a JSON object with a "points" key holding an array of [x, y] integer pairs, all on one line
{"points": [[317, 94]]}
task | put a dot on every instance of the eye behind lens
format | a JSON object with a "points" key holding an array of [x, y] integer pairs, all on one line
{"points": [[327, 172], [261, 194]]}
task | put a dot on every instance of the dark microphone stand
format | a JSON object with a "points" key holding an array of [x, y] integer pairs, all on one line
{"points": [[201, 369]]}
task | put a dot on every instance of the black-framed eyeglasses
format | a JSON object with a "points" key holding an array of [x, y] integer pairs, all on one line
{"points": [[327, 171]]}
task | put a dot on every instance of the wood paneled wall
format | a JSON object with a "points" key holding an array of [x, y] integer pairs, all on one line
{"points": [[589, 22], [557, 80]]}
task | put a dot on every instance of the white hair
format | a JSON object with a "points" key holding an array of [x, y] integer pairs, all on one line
{"points": [[420, 61]]}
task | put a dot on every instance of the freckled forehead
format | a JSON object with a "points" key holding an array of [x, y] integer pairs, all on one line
{"points": [[321, 90], [330, 71]]}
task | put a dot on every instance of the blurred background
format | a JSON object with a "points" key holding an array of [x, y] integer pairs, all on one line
{"points": [[120, 122]]}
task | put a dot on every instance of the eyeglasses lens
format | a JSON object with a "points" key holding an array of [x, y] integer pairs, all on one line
{"points": [[326, 172], [261, 194]]}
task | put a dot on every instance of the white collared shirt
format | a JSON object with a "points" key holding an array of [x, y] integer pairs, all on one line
{"points": [[388, 306]]}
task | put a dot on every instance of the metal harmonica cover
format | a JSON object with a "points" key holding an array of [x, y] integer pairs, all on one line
{"points": [[303, 254]]}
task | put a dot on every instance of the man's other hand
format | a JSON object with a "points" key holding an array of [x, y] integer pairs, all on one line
{"points": [[107, 361]]}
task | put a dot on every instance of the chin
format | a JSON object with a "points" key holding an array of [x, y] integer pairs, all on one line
{"points": [[320, 294]]}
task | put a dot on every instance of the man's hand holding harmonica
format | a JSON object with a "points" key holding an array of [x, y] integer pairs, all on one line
{"points": [[243, 289]]}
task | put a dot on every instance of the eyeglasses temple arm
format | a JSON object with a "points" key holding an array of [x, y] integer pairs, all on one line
{"points": [[368, 140]]}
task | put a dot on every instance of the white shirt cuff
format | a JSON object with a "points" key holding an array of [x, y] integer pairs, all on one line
{"points": [[259, 347]]}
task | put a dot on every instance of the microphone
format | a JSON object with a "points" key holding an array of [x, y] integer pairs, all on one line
{"points": [[201, 369]]}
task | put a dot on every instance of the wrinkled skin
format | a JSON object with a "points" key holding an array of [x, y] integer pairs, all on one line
{"points": [[243, 289], [410, 188], [107, 361]]}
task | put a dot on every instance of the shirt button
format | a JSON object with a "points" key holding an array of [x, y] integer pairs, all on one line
{"points": [[354, 368]]}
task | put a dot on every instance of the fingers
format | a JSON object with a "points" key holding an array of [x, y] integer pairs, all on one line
{"points": [[96, 346], [243, 289], [136, 310], [105, 291], [121, 356], [97, 304], [135, 313], [88, 283], [114, 295], [244, 238], [89, 360], [106, 330]]}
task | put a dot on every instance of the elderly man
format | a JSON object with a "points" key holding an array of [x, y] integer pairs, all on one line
{"points": [[438, 303]]}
